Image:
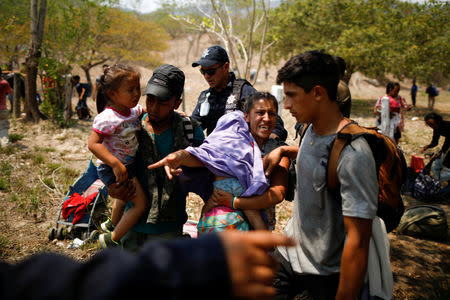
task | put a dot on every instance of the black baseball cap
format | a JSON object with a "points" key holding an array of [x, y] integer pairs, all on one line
{"points": [[167, 81], [212, 56]]}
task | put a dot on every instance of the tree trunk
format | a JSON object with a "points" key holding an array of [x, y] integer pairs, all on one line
{"points": [[263, 39], [37, 30], [86, 70], [191, 43], [16, 96], [68, 103], [197, 43]]}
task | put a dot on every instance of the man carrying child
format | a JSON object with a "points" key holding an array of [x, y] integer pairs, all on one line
{"points": [[163, 131]]}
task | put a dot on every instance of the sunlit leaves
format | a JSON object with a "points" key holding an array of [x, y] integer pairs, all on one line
{"points": [[374, 36]]}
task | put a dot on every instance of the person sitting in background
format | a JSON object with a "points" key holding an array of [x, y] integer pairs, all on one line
{"points": [[441, 164]]}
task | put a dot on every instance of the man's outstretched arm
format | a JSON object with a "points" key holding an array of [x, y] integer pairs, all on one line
{"points": [[231, 264]]}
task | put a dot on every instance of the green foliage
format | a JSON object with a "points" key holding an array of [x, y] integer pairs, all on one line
{"points": [[162, 17], [4, 184], [53, 76], [15, 29], [130, 39], [375, 36], [88, 33], [5, 174], [6, 169], [38, 158], [14, 137]]}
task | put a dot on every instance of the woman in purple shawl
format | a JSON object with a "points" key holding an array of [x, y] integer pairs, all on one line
{"points": [[232, 153]]}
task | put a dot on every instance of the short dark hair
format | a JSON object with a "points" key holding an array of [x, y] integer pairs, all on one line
{"points": [[341, 65], [251, 99], [76, 77], [389, 87], [435, 116], [309, 69], [110, 80]]}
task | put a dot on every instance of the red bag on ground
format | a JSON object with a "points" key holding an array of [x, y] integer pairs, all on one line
{"points": [[78, 205], [417, 163]]}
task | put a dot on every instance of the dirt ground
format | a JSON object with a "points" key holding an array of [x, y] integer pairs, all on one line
{"points": [[37, 169]]}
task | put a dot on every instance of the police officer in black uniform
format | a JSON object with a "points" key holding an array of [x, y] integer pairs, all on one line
{"points": [[226, 92]]}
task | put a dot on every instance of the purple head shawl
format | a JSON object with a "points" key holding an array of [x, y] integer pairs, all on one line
{"points": [[231, 151]]}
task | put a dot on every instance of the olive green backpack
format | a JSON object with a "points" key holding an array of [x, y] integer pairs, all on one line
{"points": [[424, 221]]}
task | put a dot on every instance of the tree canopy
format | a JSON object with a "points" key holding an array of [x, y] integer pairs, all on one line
{"points": [[374, 36], [76, 32], [83, 32], [15, 33]]}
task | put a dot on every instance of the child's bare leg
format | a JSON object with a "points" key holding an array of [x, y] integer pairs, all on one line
{"points": [[117, 211], [254, 216], [133, 214]]}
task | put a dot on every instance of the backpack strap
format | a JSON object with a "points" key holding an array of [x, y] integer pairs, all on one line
{"points": [[343, 137], [188, 129], [302, 134], [238, 83]]}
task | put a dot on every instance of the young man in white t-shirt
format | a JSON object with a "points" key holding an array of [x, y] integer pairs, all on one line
{"points": [[333, 230]]}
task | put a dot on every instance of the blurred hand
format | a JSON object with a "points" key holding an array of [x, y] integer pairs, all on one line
{"points": [[436, 155], [271, 160], [170, 163], [252, 269], [220, 198]]}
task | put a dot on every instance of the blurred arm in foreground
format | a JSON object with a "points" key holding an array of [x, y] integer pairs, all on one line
{"points": [[230, 264]]}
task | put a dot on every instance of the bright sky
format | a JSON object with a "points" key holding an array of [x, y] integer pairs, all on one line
{"points": [[142, 6], [146, 6]]}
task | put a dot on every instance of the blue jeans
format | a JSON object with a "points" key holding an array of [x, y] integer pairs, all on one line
{"points": [[440, 172], [106, 174]]}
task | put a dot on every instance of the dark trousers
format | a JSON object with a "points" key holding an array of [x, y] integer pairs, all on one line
{"points": [[290, 284], [82, 109]]}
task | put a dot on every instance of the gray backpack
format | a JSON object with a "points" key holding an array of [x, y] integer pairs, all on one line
{"points": [[424, 221]]}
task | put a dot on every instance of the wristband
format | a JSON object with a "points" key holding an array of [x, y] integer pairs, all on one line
{"points": [[233, 205]]}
